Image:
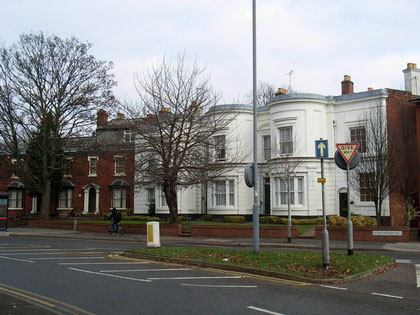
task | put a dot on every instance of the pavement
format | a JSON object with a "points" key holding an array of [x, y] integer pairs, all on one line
{"points": [[12, 305], [299, 243]]}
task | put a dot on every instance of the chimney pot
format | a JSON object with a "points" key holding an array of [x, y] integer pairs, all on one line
{"points": [[370, 89], [411, 65], [347, 86], [120, 116], [281, 91]]}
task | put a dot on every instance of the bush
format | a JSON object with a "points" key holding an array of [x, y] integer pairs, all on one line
{"points": [[140, 218], [335, 220], [234, 219], [357, 220], [207, 217], [182, 218], [270, 220], [363, 220]]}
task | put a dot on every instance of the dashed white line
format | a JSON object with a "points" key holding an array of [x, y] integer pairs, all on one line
{"points": [[218, 286], [24, 260], [59, 258], [258, 309], [196, 278], [418, 275], [403, 261], [387, 295], [332, 287], [108, 263], [146, 270], [107, 275]]}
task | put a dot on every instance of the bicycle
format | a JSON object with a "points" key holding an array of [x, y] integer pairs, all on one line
{"points": [[110, 230]]}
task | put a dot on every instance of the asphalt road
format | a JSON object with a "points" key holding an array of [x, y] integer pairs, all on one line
{"points": [[78, 276]]}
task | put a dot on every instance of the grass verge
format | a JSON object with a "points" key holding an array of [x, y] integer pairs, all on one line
{"points": [[304, 264]]}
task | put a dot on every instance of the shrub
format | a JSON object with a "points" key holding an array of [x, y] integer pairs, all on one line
{"points": [[182, 218], [207, 217], [315, 221], [335, 220], [270, 220], [234, 219], [363, 220], [357, 220]]}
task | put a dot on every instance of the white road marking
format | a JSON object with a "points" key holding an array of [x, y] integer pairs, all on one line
{"points": [[218, 286], [56, 258], [109, 263], [54, 253], [387, 295], [107, 275], [332, 287], [196, 278], [263, 310], [146, 270], [403, 261], [24, 260], [418, 275]]}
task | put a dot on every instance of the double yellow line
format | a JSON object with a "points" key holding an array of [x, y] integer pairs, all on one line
{"points": [[44, 301]]}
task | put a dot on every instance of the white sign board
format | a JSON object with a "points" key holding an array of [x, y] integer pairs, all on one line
{"points": [[387, 233]]}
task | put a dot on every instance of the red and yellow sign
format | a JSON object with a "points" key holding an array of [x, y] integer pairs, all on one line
{"points": [[347, 150]]}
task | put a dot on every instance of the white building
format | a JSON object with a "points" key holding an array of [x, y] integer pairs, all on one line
{"points": [[289, 124]]}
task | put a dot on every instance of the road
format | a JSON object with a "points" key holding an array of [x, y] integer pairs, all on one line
{"points": [[87, 277]]}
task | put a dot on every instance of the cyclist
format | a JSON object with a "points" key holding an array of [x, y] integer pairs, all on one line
{"points": [[116, 216]]}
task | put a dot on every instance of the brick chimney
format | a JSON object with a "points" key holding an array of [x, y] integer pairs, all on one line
{"points": [[347, 85], [101, 117], [120, 116], [412, 79], [281, 91]]}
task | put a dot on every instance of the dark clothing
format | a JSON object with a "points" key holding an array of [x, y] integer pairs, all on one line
{"points": [[116, 216]]}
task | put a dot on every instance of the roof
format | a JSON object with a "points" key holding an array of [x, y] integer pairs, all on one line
{"points": [[119, 183], [19, 185], [67, 184]]}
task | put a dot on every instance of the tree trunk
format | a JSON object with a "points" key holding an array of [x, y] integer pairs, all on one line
{"points": [[378, 214], [171, 200], [45, 203]]}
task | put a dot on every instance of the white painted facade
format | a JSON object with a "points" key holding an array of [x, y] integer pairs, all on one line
{"points": [[309, 117]]}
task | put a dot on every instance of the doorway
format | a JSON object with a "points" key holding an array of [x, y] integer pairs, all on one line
{"points": [[267, 204], [92, 200], [343, 204]]}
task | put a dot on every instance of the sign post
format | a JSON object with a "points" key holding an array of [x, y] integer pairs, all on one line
{"points": [[321, 149], [347, 151]]}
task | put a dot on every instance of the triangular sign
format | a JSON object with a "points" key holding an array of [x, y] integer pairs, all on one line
{"points": [[347, 150]]}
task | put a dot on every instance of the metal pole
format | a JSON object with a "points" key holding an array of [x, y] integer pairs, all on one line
{"points": [[289, 213], [349, 223], [325, 239], [255, 210]]}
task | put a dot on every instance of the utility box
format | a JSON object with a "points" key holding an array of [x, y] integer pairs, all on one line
{"points": [[153, 237]]}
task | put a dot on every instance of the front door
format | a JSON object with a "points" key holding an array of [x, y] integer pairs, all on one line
{"points": [[343, 204], [267, 196], [92, 200]]}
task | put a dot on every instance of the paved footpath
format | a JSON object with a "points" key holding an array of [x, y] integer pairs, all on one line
{"points": [[12, 305]]}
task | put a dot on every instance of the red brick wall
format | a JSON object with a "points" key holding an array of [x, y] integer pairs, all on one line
{"points": [[402, 144], [338, 233]]}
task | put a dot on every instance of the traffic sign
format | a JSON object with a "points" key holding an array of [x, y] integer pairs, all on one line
{"points": [[321, 148], [347, 150]]}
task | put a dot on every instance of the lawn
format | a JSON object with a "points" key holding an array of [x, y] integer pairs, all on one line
{"points": [[305, 264]]}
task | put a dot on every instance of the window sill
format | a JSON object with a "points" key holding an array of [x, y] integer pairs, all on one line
{"points": [[64, 209], [120, 174], [14, 209], [93, 175]]}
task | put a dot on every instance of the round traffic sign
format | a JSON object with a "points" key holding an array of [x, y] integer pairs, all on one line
{"points": [[341, 163]]}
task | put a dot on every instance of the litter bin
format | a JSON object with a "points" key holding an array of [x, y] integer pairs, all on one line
{"points": [[153, 237]]}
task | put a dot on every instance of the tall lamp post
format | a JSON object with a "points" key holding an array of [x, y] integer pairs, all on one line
{"points": [[255, 210]]}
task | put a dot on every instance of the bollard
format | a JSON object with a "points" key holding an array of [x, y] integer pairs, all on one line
{"points": [[153, 237], [74, 225]]}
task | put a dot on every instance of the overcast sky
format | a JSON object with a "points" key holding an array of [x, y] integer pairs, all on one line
{"points": [[320, 40]]}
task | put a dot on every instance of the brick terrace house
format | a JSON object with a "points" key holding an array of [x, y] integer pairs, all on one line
{"points": [[99, 175]]}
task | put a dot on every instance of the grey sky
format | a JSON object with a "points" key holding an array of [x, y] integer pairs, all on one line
{"points": [[371, 40]]}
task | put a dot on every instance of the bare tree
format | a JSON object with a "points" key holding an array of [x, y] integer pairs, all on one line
{"points": [[50, 90], [180, 135], [265, 92], [371, 177], [284, 165]]}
